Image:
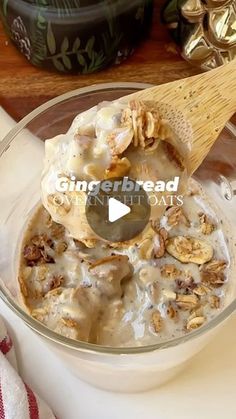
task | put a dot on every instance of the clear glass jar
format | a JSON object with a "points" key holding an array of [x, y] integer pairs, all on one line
{"points": [[76, 36], [21, 161]]}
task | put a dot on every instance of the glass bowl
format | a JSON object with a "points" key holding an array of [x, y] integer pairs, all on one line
{"points": [[21, 161]]}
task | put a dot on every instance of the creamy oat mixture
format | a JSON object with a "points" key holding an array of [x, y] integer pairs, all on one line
{"points": [[110, 140], [165, 283]]}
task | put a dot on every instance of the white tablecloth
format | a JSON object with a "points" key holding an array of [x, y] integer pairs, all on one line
{"points": [[206, 390]]}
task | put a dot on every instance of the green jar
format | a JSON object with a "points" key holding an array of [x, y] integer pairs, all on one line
{"points": [[80, 36]]}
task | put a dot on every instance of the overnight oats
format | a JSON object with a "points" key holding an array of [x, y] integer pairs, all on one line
{"points": [[168, 280]]}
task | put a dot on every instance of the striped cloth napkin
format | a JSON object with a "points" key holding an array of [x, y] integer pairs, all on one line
{"points": [[17, 400]]}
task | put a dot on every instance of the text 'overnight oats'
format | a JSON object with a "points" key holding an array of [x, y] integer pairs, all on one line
{"points": [[167, 281]]}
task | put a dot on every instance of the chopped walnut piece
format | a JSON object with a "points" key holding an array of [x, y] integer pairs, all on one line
{"points": [[195, 322], [170, 271], [175, 216], [207, 225], [189, 249], [156, 321], [214, 301], [118, 167], [187, 302]]}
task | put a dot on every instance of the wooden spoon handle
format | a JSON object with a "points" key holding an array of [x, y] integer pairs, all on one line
{"points": [[206, 101]]}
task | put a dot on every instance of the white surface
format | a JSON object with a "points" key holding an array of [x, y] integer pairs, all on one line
{"points": [[116, 210], [205, 390]]}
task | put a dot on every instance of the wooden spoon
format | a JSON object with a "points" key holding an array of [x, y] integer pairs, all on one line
{"points": [[197, 107]]}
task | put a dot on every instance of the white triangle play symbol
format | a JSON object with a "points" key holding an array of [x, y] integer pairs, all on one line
{"points": [[116, 210]]}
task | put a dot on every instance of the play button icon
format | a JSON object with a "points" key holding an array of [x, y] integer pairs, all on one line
{"points": [[117, 209]]}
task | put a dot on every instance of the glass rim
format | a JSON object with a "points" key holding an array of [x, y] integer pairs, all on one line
{"points": [[43, 330]]}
